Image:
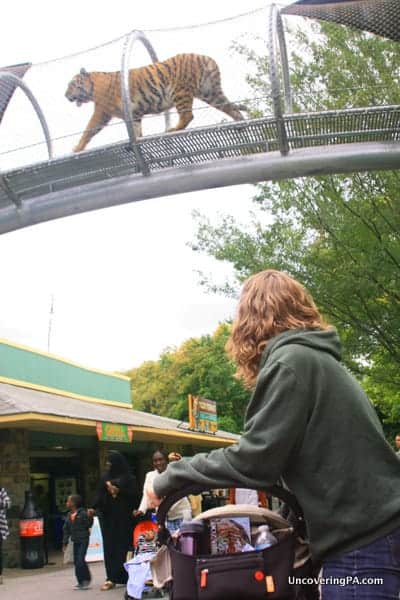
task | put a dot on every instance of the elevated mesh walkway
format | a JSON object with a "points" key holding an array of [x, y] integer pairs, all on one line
{"points": [[285, 145]]}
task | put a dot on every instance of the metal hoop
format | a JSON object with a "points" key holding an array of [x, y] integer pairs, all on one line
{"points": [[126, 96], [19, 83], [276, 38], [284, 65]]}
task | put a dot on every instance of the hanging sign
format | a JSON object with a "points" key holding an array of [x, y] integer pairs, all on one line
{"points": [[114, 432], [202, 414]]}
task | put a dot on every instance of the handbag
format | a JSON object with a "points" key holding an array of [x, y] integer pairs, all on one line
{"points": [[249, 575]]}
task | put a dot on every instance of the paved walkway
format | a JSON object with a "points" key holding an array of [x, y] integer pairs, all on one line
{"points": [[54, 582]]}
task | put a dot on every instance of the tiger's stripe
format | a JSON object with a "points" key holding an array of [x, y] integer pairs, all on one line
{"points": [[153, 89]]}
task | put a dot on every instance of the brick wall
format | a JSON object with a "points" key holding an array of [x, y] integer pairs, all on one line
{"points": [[15, 478]]}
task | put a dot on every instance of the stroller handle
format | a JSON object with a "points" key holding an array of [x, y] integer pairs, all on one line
{"points": [[275, 490]]}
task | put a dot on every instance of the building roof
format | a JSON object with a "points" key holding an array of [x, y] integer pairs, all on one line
{"points": [[24, 407], [20, 365]]}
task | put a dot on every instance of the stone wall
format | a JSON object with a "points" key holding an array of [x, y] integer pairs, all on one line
{"points": [[15, 478], [90, 475]]}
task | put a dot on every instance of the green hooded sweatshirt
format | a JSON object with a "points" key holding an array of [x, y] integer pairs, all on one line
{"points": [[310, 423]]}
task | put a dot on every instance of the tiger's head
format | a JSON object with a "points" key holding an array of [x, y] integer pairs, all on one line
{"points": [[80, 88]]}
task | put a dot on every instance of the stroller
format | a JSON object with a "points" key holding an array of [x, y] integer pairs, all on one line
{"points": [[144, 544], [248, 574]]}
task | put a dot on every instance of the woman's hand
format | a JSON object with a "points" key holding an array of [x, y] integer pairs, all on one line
{"points": [[112, 489], [137, 513], [174, 456]]}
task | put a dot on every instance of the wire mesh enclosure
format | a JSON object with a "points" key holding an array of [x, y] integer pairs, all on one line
{"points": [[377, 16], [168, 100], [70, 90]]}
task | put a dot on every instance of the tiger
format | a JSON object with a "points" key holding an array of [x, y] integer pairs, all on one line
{"points": [[153, 89]]}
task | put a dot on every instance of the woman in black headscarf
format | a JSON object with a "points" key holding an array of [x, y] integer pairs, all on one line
{"points": [[114, 500]]}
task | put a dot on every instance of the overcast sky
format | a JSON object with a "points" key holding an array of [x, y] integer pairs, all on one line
{"points": [[123, 279]]}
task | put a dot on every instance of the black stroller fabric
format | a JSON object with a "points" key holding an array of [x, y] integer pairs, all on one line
{"points": [[243, 576], [236, 576]]}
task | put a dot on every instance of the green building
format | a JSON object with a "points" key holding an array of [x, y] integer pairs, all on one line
{"points": [[57, 421]]}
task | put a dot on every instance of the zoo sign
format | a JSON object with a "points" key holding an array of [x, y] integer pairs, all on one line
{"points": [[114, 432], [202, 414]]}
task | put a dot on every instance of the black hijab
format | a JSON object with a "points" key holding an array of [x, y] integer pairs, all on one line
{"points": [[119, 473], [119, 466]]}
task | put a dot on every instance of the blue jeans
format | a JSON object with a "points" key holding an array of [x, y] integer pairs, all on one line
{"points": [[82, 572], [368, 573]]}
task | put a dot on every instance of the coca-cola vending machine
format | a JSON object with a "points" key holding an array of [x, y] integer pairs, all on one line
{"points": [[31, 534]]}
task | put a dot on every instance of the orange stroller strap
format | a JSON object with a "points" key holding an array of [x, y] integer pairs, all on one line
{"points": [[203, 578], [269, 584]]}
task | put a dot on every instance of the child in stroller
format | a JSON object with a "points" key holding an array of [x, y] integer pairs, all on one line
{"points": [[144, 547]]}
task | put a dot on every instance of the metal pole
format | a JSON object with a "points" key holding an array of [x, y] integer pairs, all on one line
{"points": [[284, 65], [274, 78], [18, 82], [126, 100], [125, 93], [51, 313]]}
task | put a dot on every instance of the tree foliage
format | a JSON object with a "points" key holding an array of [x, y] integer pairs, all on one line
{"points": [[199, 366], [339, 235]]}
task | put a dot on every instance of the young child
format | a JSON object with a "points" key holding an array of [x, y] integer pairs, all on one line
{"points": [[77, 528]]}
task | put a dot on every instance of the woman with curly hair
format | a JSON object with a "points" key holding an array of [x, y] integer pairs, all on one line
{"points": [[309, 423]]}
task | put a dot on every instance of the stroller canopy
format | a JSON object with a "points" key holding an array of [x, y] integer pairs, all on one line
{"points": [[376, 16]]}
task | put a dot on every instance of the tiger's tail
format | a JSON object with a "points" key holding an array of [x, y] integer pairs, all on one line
{"points": [[242, 107], [213, 94], [232, 109]]}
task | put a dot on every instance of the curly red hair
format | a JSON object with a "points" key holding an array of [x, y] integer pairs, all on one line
{"points": [[271, 302]]}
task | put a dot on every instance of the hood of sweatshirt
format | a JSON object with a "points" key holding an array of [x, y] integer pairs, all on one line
{"points": [[326, 340]]}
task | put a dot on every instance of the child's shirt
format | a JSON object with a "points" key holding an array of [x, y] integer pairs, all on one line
{"points": [[77, 526]]}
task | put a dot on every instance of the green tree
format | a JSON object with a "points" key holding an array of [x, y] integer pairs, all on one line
{"points": [[340, 235], [199, 366]]}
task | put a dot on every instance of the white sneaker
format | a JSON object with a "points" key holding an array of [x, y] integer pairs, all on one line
{"points": [[85, 585]]}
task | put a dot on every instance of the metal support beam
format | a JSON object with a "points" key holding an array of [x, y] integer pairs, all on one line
{"points": [[321, 160]]}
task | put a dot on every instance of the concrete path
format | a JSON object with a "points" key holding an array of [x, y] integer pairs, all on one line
{"points": [[54, 582]]}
